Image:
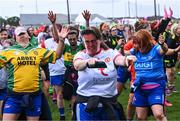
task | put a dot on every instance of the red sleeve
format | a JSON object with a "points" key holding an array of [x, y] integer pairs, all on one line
{"points": [[43, 44], [128, 45]]}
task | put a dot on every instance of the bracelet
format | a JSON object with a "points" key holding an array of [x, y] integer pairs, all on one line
{"points": [[160, 43], [87, 65], [174, 50]]}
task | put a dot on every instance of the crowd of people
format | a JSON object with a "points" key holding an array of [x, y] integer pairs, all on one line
{"points": [[90, 68]]}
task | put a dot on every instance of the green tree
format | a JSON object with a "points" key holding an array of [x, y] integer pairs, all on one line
{"points": [[13, 21]]}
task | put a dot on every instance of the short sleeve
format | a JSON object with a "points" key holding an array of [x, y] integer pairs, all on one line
{"points": [[116, 53], [3, 58], [49, 56], [77, 56], [132, 51]]}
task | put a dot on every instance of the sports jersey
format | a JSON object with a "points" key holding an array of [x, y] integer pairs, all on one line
{"points": [[149, 65], [69, 53], [23, 66], [34, 41], [58, 68], [98, 81]]}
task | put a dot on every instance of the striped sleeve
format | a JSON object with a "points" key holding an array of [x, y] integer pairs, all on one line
{"points": [[49, 56], [3, 58]]}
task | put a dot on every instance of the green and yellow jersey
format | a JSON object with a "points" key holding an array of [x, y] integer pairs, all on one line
{"points": [[23, 66], [69, 53]]}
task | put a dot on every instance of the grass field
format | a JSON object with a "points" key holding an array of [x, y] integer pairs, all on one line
{"points": [[173, 113]]}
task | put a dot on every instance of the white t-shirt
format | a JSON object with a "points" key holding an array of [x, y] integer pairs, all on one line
{"points": [[58, 68], [96, 81]]}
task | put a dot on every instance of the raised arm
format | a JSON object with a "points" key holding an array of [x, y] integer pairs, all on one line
{"points": [[173, 51], [58, 37], [62, 35], [52, 18], [161, 42], [86, 14]]}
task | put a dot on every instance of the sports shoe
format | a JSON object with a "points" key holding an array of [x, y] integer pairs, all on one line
{"points": [[168, 92], [173, 89], [167, 103]]}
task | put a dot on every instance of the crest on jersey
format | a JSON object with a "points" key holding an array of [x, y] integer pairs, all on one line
{"points": [[35, 53], [107, 59]]}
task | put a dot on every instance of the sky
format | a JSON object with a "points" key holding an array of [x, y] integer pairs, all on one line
{"points": [[106, 8]]}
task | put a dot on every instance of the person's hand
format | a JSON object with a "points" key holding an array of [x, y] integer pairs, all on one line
{"points": [[165, 13], [91, 62], [64, 32], [86, 14], [161, 39], [170, 12], [52, 17], [130, 59], [177, 49], [121, 42]]}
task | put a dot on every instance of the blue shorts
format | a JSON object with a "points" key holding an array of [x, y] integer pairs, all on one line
{"points": [[15, 105], [98, 114], [149, 97], [57, 80], [3, 93], [123, 74]]}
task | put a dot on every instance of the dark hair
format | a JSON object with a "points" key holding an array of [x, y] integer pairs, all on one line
{"points": [[3, 29], [140, 25], [92, 30], [100, 26], [73, 30]]}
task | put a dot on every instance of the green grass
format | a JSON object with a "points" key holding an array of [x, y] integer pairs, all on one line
{"points": [[173, 113]]}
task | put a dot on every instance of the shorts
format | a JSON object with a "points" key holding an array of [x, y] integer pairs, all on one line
{"points": [[123, 74], [57, 80], [16, 105], [97, 114], [170, 63], [148, 97], [3, 93]]}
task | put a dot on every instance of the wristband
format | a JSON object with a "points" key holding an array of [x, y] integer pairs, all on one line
{"points": [[160, 43], [87, 65]]}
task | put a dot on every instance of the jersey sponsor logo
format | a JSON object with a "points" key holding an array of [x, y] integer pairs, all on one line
{"points": [[26, 60], [68, 57], [103, 80], [144, 65], [107, 59], [35, 53], [102, 71], [157, 98]]}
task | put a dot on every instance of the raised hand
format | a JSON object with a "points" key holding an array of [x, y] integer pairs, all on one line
{"points": [[170, 12], [165, 13], [121, 42], [86, 14], [64, 32], [161, 39], [52, 17]]}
